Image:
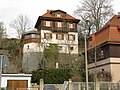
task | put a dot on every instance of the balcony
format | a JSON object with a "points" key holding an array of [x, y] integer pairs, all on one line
{"points": [[59, 29]]}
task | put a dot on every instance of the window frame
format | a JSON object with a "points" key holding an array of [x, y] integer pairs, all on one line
{"points": [[47, 24], [59, 24], [60, 36], [70, 25], [71, 37], [48, 37]]}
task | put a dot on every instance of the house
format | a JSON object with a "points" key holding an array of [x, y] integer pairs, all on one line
{"points": [[58, 27], [55, 27], [104, 51]]}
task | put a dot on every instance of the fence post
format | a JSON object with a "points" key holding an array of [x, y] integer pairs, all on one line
{"points": [[97, 85], [41, 86], [70, 84], [79, 86]]}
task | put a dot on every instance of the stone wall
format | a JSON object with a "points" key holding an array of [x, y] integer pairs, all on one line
{"points": [[35, 60]]}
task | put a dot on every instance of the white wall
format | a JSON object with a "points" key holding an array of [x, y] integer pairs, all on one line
{"points": [[6, 77], [33, 47], [64, 43]]}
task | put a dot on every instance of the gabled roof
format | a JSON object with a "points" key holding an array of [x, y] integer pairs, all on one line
{"points": [[49, 14]]}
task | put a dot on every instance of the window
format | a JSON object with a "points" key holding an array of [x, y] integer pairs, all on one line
{"points": [[59, 24], [102, 54], [48, 23], [27, 36], [58, 15], [70, 25], [34, 36], [71, 48], [59, 47], [60, 36], [71, 37], [47, 35]]}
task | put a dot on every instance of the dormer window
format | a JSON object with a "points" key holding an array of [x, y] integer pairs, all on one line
{"points": [[58, 15]]}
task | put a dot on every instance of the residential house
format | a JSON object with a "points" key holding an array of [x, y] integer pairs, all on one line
{"points": [[104, 51], [58, 27], [55, 27]]}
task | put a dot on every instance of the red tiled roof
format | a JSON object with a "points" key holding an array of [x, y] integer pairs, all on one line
{"points": [[110, 32], [48, 14], [115, 20]]}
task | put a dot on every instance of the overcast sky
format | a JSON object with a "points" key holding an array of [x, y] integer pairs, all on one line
{"points": [[10, 9]]}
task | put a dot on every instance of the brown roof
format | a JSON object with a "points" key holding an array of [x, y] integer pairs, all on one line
{"points": [[49, 14], [110, 33], [115, 20]]}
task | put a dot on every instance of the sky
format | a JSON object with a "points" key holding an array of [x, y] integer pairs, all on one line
{"points": [[11, 9]]}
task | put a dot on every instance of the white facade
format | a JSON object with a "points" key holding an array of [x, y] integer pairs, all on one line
{"points": [[33, 47], [6, 77], [65, 43]]}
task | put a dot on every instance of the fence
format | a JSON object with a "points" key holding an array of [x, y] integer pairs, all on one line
{"points": [[69, 85]]}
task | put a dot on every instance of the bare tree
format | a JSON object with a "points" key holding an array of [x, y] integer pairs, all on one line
{"points": [[21, 24], [96, 11], [2, 30], [2, 34]]}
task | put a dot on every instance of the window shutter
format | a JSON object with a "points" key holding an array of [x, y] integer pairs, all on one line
{"points": [[62, 36], [44, 35], [68, 37], [62, 24], [73, 37], [50, 36], [44, 22], [67, 25], [50, 23], [56, 24], [73, 25], [56, 36]]}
